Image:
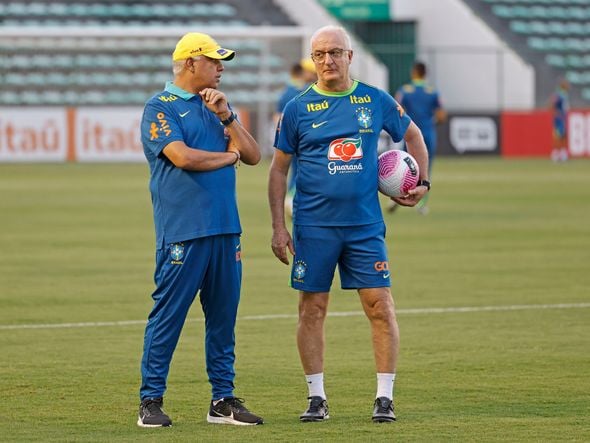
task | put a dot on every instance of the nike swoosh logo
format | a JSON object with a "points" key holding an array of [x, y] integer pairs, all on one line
{"points": [[184, 113], [317, 125], [231, 415], [386, 275], [238, 247]]}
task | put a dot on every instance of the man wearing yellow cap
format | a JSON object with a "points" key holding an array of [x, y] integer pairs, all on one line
{"points": [[193, 141]]}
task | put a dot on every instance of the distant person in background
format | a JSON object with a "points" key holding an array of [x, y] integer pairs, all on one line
{"points": [[422, 103], [302, 76], [193, 141], [559, 103]]}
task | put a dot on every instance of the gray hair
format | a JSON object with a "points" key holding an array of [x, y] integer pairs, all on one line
{"points": [[332, 28], [178, 66]]}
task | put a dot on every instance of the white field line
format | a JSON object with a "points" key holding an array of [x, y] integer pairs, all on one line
{"points": [[410, 311]]}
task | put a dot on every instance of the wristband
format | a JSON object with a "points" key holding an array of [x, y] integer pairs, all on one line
{"points": [[424, 183], [229, 120]]}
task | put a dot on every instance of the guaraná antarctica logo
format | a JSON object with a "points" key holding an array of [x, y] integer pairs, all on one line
{"points": [[345, 150]]}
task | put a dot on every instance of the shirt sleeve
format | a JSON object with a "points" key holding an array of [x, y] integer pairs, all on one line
{"points": [[395, 119], [283, 99], [159, 127], [286, 138], [437, 102]]}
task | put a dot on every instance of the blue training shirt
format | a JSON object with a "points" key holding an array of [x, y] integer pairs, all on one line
{"points": [[187, 204], [334, 138], [290, 92], [420, 102]]}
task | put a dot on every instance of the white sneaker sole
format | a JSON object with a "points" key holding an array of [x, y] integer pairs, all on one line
{"points": [[308, 420], [227, 421], [144, 425]]}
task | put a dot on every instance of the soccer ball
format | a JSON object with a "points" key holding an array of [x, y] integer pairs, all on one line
{"points": [[398, 173]]}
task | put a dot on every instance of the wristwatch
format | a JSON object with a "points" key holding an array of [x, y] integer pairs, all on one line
{"points": [[424, 183], [230, 119]]}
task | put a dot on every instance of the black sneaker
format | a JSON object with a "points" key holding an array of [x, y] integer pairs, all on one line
{"points": [[151, 414], [316, 411], [231, 411], [383, 411]]}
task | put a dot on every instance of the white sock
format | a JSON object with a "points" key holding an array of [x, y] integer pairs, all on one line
{"points": [[315, 385], [385, 383], [563, 154]]}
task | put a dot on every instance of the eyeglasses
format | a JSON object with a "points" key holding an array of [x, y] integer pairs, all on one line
{"points": [[335, 54]]}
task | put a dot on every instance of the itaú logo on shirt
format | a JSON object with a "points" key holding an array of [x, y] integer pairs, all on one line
{"points": [[345, 149]]}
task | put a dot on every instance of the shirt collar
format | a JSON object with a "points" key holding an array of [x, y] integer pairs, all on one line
{"points": [[178, 91]]}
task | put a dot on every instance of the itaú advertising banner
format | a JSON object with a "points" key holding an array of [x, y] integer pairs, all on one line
{"points": [[108, 134], [58, 134], [33, 134], [578, 124]]}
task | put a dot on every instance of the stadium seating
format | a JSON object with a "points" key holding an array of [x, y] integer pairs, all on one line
{"points": [[78, 13], [115, 76], [552, 35], [116, 71]]}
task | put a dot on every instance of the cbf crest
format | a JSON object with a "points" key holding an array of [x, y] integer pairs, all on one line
{"points": [[364, 117], [177, 253], [299, 270]]}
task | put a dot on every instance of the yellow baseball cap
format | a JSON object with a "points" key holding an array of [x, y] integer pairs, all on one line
{"points": [[307, 64], [195, 43]]}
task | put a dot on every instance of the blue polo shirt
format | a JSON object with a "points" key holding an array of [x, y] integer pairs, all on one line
{"points": [[334, 138], [187, 204]]}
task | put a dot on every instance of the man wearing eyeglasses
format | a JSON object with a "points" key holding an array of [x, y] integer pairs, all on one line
{"points": [[332, 129], [192, 141]]}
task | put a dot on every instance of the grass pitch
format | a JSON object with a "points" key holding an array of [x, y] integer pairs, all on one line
{"points": [[510, 239]]}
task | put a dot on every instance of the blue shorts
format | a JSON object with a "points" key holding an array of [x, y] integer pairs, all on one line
{"points": [[559, 127], [359, 252]]}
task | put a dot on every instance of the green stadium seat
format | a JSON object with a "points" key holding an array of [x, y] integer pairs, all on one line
{"points": [[520, 27], [29, 97], [17, 79], [59, 9], [200, 9], [36, 8], [556, 60], [94, 97], [58, 79], [15, 8], [51, 98], [222, 9], [10, 98], [502, 11]]}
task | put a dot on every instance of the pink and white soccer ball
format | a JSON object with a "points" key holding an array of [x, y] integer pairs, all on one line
{"points": [[398, 173]]}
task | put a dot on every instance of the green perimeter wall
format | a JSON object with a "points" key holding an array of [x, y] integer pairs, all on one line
{"points": [[393, 43]]}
